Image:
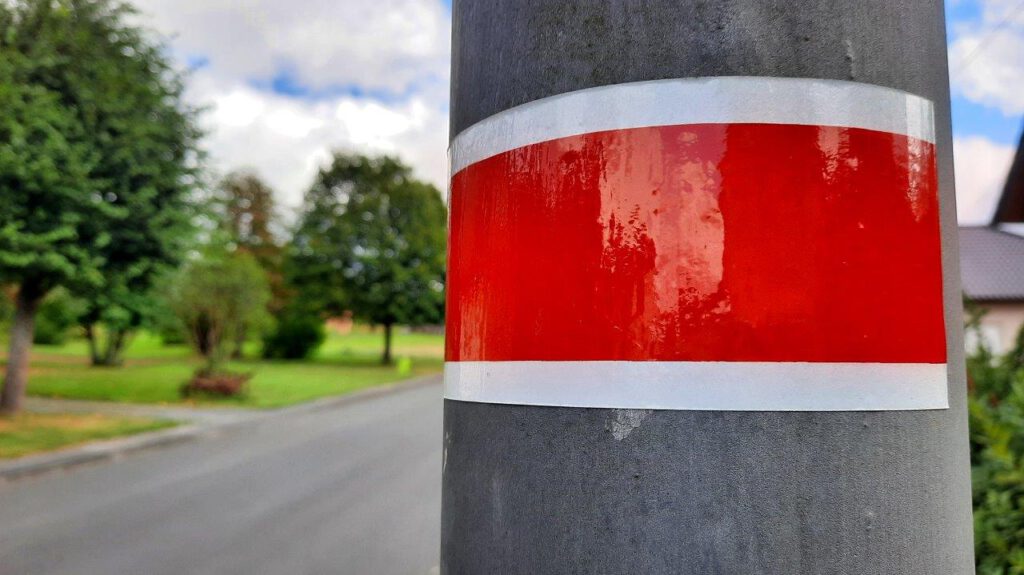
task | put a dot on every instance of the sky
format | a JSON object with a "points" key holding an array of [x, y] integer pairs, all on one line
{"points": [[285, 82]]}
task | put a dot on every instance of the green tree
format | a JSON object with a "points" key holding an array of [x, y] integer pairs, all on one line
{"points": [[215, 298], [48, 200], [97, 159], [371, 239]]}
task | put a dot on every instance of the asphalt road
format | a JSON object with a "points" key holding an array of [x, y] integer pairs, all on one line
{"points": [[349, 490]]}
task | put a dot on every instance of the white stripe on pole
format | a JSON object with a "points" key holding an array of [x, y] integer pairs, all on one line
{"points": [[721, 100], [728, 386]]}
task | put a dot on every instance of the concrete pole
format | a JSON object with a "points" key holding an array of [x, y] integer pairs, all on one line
{"points": [[864, 485]]}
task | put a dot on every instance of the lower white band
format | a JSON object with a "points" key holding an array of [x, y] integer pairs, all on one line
{"points": [[720, 386]]}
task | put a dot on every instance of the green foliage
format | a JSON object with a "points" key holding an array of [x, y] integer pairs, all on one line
{"points": [[49, 200], [218, 297], [98, 159], [371, 239], [169, 328], [996, 411], [98, 142], [56, 316], [297, 335]]}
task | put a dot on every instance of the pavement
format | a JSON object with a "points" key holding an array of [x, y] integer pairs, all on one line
{"points": [[345, 485]]}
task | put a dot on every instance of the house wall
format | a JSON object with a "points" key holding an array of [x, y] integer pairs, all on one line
{"points": [[999, 326]]}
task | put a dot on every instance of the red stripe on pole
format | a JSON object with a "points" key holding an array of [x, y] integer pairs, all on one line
{"points": [[712, 242]]}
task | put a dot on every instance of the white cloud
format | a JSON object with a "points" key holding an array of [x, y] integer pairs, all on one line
{"points": [[397, 48], [286, 139], [377, 44], [981, 169], [986, 58]]}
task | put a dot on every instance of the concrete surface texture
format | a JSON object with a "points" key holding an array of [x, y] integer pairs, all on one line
{"points": [[350, 489]]}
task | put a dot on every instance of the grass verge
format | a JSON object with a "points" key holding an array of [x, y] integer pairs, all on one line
{"points": [[27, 433], [154, 373]]}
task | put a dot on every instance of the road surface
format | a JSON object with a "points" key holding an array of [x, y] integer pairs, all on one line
{"points": [[349, 490]]}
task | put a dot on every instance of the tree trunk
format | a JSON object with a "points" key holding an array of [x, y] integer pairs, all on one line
{"points": [[22, 331], [239, 350], [115, 345], [386, 360], [94, 350]]}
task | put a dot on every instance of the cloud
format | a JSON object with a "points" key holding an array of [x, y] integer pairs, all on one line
{"points": [[287, 139], [367, 76], [393, 45], [981, 169], [986, 57]]}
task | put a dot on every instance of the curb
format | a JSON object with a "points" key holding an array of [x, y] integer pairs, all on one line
{"points": [[94, 452], [356, 396], [111, 449]]}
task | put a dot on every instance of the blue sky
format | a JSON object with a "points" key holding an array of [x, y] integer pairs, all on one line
{"points": [[970, 117], [288, 82]]}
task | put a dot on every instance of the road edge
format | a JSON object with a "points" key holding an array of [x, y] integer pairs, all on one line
{"points": [[111, 449]]}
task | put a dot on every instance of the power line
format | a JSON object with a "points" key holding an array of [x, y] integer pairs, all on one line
{"points": [[991, 34]]}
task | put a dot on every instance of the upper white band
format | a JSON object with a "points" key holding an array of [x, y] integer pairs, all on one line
{"points": [[716, 100]]}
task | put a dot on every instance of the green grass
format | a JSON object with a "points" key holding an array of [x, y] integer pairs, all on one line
{"points": [[154, 373], [142, 345], [362, 343], [28, 433]]}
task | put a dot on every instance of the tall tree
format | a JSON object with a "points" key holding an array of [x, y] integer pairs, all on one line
{"points": [[97, 159], [47, 202], [246, 207], [250, 214], [371, 239]]}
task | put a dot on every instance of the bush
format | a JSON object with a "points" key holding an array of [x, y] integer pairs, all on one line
{"points": [[171, 331], [996, 411], [220, 298], [58, 313], [296, 336]]}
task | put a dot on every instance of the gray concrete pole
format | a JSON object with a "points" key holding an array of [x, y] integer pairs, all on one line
{"points": [[540, 489]]}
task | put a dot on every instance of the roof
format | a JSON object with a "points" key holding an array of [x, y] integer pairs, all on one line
{"points": [[1011, 203], [991, 264]]}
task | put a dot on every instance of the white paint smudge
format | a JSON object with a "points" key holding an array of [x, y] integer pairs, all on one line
{"points": [[624, 421], [444, 452]]}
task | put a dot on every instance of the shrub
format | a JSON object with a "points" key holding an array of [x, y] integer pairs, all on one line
{"points": [[218, 298], [296, 336], [996, 411]]}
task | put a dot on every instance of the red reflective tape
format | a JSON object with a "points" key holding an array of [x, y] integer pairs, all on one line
{"points": [[712, 242]]}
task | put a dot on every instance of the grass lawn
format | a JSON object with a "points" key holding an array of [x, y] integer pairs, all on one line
{"points": [[154, 373], [27, 433]]}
